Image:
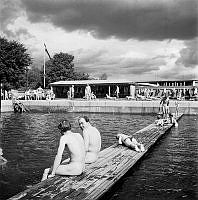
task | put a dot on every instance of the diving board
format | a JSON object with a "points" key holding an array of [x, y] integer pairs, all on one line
{"points": [[98, 177]]}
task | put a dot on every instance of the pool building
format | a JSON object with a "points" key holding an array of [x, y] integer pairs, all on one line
{"points": [[126, 88]]}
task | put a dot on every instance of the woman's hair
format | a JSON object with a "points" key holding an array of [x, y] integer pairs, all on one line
{"points": [[86, 118], [64, 126]]}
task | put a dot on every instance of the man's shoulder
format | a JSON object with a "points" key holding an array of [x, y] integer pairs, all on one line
{"points": [[94, 128], [69, 136]]}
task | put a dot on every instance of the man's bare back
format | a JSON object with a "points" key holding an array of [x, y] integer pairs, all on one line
{"points": [[92, 140]]}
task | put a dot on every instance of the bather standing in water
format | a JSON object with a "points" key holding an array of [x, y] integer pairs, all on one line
{"points": [[92, 139], [76, 163]]}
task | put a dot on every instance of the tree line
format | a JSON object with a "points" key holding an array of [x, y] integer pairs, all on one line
{"points": [[18, 72]]}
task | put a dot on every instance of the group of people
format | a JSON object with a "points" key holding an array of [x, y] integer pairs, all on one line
{"points": [[82, 149], [170, 119], [39, 94], [165, 116]]}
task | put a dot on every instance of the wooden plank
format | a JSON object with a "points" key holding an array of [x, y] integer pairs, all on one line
{"points": [[98, 177]]}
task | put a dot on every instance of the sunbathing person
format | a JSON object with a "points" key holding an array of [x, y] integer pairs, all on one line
{"points": [[108, 97], [75, 144], [130, 142], [160, 120]]}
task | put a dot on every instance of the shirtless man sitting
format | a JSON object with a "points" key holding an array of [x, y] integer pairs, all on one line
{"points": [[130, 142], [76, 163], [92, 140]]}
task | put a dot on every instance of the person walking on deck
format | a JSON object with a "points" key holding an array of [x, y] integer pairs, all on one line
{"points": [[130, 142], [165, 105], [177, 107], [92, 139], [75, 144], [88, 92]]}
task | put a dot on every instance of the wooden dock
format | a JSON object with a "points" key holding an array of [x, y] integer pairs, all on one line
{"points": [[98, 177]]}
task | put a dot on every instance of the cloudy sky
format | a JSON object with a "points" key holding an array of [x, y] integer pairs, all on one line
{"points": [[126, 39]]}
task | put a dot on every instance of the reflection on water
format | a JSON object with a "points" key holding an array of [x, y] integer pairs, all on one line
{"points": [[30, 140], [169, 171]]}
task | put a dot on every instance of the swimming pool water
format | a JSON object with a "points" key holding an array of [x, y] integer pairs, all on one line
{"points": [[30, 141]]}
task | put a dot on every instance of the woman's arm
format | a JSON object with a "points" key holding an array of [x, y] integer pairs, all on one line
{"points": [[59, 154], [120, 140], [86, 140]]}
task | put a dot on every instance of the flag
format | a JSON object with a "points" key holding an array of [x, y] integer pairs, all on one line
{"points": [[47, 52]]}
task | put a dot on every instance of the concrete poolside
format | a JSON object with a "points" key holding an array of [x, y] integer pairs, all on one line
{"points": [[101, 106]]}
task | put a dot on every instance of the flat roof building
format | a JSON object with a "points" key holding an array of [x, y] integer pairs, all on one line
{"points": [[125, 88], [99, 87]]}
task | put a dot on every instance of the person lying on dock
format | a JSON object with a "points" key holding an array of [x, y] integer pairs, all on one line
{"points": [[160, 120], [108, 97], [169, 120], [75, 144], [92, 139], [2, 159], [130, 142]]}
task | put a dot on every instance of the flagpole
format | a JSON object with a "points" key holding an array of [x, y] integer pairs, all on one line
{"points": [[44, 67]]}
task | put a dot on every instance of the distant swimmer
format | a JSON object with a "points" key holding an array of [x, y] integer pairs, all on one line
{"points": [[2, 159], [130, 142], [92, 139], [75, 164]]}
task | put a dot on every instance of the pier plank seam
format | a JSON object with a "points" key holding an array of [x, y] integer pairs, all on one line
{"points": [[102, 173]]}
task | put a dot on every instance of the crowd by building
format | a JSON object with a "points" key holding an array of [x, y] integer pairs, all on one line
{"points": [[38, 94]]}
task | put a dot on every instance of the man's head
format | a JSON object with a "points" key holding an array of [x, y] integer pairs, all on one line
{"points": [[64, 126], [83, 122]]}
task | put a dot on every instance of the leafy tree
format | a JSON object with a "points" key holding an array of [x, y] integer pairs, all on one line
{"points": [[34, 77], [14, 61], [61, 67]]}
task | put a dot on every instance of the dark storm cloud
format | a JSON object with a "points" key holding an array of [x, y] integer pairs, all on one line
{"points": [[9, 11], [189, 54], [126, 19]]}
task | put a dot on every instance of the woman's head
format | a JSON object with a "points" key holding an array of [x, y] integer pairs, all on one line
{"points": [[64, 126]]}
